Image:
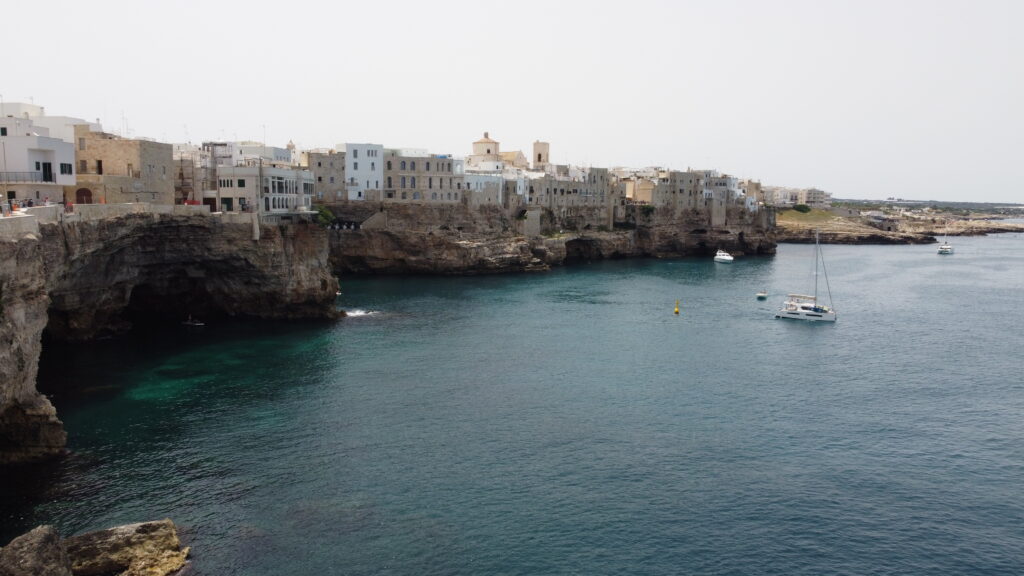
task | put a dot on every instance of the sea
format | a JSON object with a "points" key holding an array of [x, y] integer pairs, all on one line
{"points": [[569, 422]]}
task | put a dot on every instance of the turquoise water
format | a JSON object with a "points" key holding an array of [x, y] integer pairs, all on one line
{"points": [[569, 423]]}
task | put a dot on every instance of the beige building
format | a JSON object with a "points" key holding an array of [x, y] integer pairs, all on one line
{"points": [[328, 168], [421, 178], [112, 169]]}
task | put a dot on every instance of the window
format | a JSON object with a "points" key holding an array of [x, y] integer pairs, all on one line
{"points": [[412, 165], [3, 131], [65, 168], [332, 179], [389, 164], [403, 165], [403, 181], [318, 164], [428, 166], [99, 166], [38, 167], [319, 178], [389, 181], [241, 183], [355, 152], [355, 165], [81, 143], [373, 166], [412, 182], [430, 182]]}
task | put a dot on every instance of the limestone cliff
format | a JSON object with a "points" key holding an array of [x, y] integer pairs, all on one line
{"points": [[29, 428], [81, 279], [104, 275], [455, 240]]}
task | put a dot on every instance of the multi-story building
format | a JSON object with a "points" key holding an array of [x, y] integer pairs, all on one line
{"points": [[194, 173], [265, 188], [328, 168], [36, 166], [112, 169], [416, 175], [364, 169]]}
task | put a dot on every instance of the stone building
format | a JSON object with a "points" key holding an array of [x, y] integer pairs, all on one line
{"points": [[415, 175], [112, 169], [328, 168]]}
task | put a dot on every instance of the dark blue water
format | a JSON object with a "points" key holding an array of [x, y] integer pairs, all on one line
{"points": [[569, 423]]}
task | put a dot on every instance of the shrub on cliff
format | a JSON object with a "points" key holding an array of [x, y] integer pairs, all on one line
{"points": [[324, 216], [803, 208]]}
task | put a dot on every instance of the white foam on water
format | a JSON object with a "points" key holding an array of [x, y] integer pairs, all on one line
{"points": [[356, 313]]}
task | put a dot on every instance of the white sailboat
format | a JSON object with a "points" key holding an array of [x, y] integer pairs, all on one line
{"points": [[804, 307], [946, 247]]}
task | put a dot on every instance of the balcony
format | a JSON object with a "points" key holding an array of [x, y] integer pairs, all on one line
{"points": [[25, 177]]}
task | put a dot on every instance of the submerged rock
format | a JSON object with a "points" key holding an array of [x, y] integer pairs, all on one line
{"points": [[145, 549], [37, 553]]}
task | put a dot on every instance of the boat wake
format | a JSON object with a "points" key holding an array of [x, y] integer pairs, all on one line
{"points": [[357, 313]]}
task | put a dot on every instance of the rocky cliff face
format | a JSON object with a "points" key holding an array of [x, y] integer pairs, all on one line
{"points": [[452, 241], [105, 275], [78, 280], [29, 428]]}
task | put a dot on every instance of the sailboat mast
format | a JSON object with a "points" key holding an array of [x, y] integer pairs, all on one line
{"points": [[817, 254]]}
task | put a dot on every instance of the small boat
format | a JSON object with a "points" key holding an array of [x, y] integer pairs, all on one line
{"points": [[804, 307], [762, 295], [723, 256], [192, 322]]}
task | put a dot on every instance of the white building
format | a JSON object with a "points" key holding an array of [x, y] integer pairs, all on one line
{"points": [[35, 166], [364, 169], [239, 189], [61, 127]]}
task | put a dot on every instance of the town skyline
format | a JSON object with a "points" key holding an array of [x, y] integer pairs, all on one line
{"points": [[863, 101]]}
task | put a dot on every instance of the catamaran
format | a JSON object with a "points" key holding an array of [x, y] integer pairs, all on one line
{"points": [[805, 307]]}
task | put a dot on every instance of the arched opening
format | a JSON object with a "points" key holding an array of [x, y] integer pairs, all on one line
{"points": [[83, 196]]}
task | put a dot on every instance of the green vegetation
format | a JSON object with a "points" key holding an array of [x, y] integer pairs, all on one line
{"points": [[803, 208], [324, 216], [647, 209], [812, 216]]}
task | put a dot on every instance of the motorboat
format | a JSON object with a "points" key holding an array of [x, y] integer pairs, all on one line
{"points": [[762, 295], [723, 256], [193, 322], [804, 307]]}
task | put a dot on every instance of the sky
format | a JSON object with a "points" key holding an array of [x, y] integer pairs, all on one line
{"points": [[864, 99]]}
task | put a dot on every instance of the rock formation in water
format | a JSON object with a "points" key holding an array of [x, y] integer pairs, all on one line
{"points": [[83, 279], [145, 549]]}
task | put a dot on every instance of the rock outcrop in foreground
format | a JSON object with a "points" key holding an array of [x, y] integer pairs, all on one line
{"points": [[83, 279], [145, 549]]}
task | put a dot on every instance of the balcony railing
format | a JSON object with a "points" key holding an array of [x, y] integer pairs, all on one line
{"points": [[16, 177]]}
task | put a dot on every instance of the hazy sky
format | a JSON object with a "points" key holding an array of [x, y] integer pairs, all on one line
{"points": [[864, 99]]}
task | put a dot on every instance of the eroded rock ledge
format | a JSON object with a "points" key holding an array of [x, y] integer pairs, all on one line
{"points": [[144, 549]]}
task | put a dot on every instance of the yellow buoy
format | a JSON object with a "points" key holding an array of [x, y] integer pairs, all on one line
{"points": [[677, 307]]}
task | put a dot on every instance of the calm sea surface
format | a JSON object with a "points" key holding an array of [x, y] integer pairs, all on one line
{"points": [[569, 423]]}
